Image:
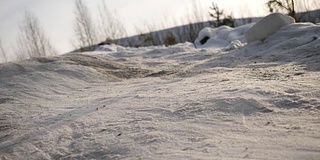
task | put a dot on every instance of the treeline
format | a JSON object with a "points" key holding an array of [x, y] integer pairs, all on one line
{"points": [[89, 33]]}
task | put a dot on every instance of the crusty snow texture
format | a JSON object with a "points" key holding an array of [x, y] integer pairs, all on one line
{"points": [[254, 101]]}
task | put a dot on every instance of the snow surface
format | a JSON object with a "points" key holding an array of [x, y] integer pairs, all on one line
{"points": [[222, 36], [267, 26], [259, 101], [225, 37]]}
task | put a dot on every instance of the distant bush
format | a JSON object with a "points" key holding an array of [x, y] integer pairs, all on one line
{"points": [[170, 40]]}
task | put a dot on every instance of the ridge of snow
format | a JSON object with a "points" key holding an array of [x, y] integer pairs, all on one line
{"points": [[267, 26], [222, 36]]}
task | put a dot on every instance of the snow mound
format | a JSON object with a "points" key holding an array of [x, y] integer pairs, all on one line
{"points": [[267, 26], [227, 38], [221, 37]]}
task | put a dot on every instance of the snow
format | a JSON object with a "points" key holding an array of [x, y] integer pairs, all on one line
{"points": [[110, 48], [267, 26], [221, 37], [225, 37], [238, 101]]}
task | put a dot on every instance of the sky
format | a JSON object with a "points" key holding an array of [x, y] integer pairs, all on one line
{"points": [[57, 16]]}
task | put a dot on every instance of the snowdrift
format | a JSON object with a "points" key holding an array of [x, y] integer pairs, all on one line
{"points": [[225, 37], [267, 26], [221, 37], [260, 100]]}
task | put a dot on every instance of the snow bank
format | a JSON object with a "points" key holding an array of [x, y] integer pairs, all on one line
{"points": [[267, 26], [228, 38], [221, 37]]}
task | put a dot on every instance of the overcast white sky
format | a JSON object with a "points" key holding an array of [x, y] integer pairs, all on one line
{"points": [[56, 16]]}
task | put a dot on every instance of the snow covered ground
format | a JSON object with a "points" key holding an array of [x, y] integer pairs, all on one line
{"points": [[255, 101]]}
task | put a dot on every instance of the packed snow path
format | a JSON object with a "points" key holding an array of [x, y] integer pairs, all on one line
{"points": [[261, 101]]}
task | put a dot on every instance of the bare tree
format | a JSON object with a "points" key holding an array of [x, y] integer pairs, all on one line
{"points": [[3, 53], [283, 5], [32, 40], [84, 28], [110, 26]]}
